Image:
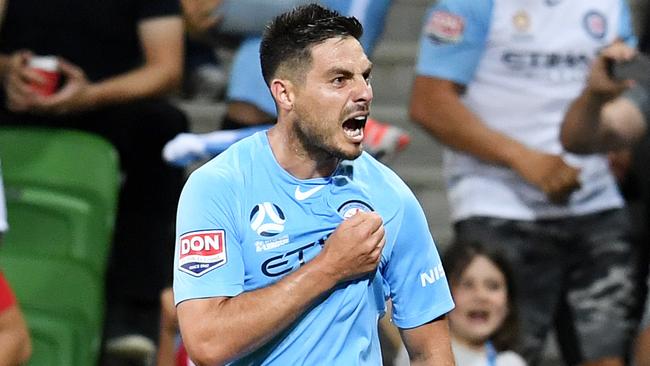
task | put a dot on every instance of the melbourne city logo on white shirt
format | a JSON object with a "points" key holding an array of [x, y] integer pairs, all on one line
{"points": [[301, 196]]}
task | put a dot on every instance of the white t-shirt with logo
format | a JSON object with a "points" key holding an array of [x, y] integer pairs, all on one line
{"points": [[523, 62]]}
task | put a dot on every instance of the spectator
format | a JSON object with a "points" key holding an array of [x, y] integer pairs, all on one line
{"points": [[117, 60], [300, 250], [15, 344], [494, 80], [610, 115], [483, 326], [211, 24], [248, 101]]}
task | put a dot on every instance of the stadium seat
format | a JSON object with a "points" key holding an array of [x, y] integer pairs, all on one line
{"points": [[53, 342], [65, 293], [61, 189]]}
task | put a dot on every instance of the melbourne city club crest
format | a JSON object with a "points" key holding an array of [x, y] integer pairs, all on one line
{"points": [[350, 208]]}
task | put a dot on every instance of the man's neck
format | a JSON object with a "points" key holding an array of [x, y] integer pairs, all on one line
{"points": [[294, 158]]}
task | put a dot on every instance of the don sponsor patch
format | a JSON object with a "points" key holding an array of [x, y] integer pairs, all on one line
{"points": [[202, 251], [445, 27]]}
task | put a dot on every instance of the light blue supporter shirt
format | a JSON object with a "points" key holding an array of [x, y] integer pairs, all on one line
{"points": [[244, 223]]}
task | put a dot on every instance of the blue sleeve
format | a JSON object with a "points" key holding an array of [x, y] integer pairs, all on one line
{"points": [[371, 13], [414, 273], [626, 30], [453, 39], [207, 258], [373, 18]]}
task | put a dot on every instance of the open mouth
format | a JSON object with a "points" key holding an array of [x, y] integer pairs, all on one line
{"points": [[353, 127], [478, 315]]}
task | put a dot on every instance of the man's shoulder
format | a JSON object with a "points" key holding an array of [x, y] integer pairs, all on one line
{"points": [[369, 168], [232, 165], [380, 178]]}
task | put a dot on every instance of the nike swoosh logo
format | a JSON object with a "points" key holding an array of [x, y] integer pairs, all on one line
{"points": [[300, 195]]}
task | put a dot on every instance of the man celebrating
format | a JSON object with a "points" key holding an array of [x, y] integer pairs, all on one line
{"points": [[290, 242]]}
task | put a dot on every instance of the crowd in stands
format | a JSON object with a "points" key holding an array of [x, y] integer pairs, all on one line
{"points": [[545, 151]]}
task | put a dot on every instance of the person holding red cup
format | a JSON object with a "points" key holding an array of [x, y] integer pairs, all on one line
{"points": [[116, 63]]}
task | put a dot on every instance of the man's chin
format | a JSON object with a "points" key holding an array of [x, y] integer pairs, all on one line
{"points": [[350, 155]]}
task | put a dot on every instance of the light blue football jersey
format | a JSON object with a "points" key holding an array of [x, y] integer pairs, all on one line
{"points": [[244, 223]]}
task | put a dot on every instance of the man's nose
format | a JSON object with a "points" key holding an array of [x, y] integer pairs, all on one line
{"points": [[481, 293], [363, 91]]}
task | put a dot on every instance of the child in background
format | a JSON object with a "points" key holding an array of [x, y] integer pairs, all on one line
{"points": [[483, 326]]}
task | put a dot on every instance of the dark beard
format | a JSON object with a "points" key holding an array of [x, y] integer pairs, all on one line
{"points": [[316, 147]]}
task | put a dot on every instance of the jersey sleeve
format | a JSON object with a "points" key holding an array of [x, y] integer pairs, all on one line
{"points": [[414, 273], [453, 39], [626, 29], [207, 258]]}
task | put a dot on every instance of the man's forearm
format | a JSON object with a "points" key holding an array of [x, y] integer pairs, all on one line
{"points": [[145, 82], [219, 329], [217, 332], [429, 344], [582, 130], [441, 112]]}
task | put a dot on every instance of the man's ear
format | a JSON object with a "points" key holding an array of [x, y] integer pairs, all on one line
{"points": [[283, 93]]}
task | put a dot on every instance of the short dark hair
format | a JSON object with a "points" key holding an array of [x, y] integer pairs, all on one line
{"points": [[288, 39], [456, 260]]}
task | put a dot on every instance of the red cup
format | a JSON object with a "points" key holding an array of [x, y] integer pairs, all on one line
{"points": [[48, 68]]}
